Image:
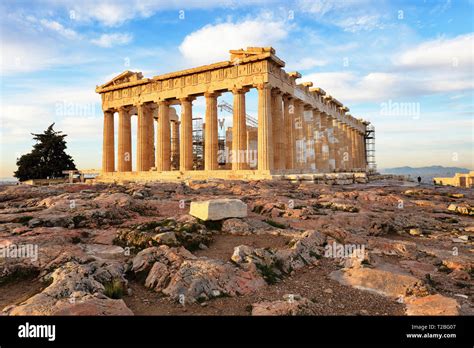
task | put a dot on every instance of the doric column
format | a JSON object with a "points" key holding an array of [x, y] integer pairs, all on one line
{"points": [[265, 141], [354, 153], [324, 143], [239, 131], [211, 135], [364, 152], [331, 131], [345, 161], [143, 142], [152, 112], [318, 140], [174, 144], [163, 156], [124, 141], [277, 133], [308, 126], [108, 156], [299, 134], [289, 148], [338, 143], [186, 141]]}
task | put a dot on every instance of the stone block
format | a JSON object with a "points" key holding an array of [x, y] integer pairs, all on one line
{"points": [[218, 209]]}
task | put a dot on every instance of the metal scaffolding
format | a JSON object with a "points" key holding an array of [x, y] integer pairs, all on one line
{"points": [[370, 147], [198, 144], [227, 107]]}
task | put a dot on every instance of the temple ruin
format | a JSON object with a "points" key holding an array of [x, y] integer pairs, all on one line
{"points": [[299, 129]]}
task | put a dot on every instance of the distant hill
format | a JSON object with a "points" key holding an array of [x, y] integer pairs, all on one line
{"points": [[427, 173]]}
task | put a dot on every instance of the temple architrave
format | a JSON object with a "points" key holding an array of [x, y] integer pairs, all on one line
{"points": [[299, 129]]}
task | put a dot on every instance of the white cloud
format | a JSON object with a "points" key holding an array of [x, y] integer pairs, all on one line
{"points": [[306, 63], [114, 13], [365, 22], [114, 39], [213, 42], [321, 7], [454, 53], [421, 70], [59, 28]]}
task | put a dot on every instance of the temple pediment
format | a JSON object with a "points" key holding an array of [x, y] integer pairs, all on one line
{"points": [[124, 78]]}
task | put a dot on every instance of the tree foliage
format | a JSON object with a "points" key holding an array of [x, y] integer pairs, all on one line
{"points": [[48, 158]]}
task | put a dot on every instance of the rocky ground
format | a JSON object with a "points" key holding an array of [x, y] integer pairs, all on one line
{"points": [[381, 248]]}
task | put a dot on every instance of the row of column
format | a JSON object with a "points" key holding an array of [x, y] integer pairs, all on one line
{"points": [[287, 140]]}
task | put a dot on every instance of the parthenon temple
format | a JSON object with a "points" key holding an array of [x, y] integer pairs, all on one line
{"points": [[298, 128]]}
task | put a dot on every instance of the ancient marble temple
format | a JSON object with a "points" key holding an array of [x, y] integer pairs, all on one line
{"points": [[299, 128]]}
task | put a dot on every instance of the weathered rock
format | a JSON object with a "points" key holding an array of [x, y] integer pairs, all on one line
{"points": [[244, 226], [166, 238], [177, 273], [272, 264], [380, 281], [171, 232], [104, 251], [91, 305], [76, 288], [462, 209], [294, 305], [218, 209], [431, 305]]}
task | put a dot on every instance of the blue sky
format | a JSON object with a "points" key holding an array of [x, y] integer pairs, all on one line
{"points": [[406, 66]]}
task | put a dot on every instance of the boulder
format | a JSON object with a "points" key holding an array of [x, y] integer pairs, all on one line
{"points": [[182, 276], [218, 209], [379, 281], [432, 305], [77, 289]]}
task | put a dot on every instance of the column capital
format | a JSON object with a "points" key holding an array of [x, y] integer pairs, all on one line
{"points": [[163, 102], [124, 108], [212, 94], [239, 90], [276, 91], [187, 99], [264, 85]]}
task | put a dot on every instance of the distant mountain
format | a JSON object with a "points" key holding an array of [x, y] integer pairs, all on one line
{"points": [[427, 173]]}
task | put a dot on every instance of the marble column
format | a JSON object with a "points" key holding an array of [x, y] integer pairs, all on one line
{"points": [[289, 148], [346, 154], [338, 145], [143, 141], [124, 141], [265, 138], [186, 140], [108, 156], [364, 153], [151, 135], [318, 140], [332, 142], [239, 131], [324, 143], [174, 144], [163, 156], [354, 153], [278, 129], [299, 134], [211, 135], [309, 139]]}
